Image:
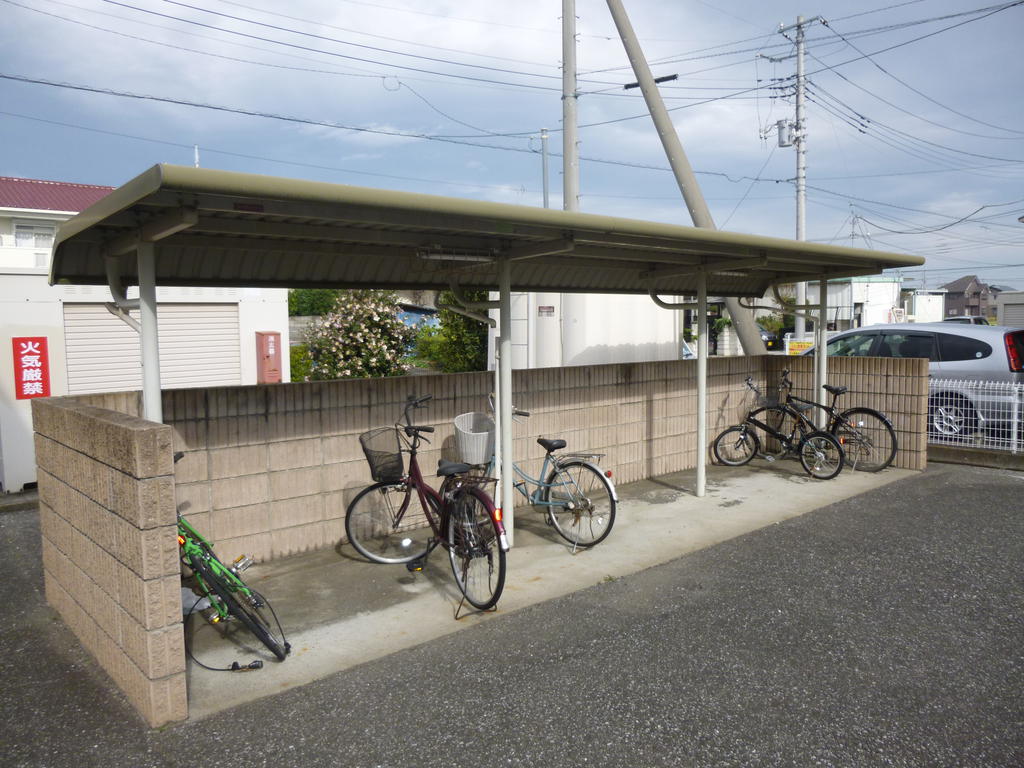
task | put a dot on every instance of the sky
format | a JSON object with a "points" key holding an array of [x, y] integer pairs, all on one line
{"points": [[914, 124]]}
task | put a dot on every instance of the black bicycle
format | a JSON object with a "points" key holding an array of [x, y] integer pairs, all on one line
{"points": [[820, 453], [867, 435]]}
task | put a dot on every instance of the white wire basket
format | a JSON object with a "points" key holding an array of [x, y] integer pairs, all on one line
{"points": [[474, 437]]}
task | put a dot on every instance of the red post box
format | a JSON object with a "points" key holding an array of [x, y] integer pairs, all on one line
{"points": [[268, 357]]}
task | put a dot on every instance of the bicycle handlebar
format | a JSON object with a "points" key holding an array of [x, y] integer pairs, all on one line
{"points": [[410, 429], [517, 412]]}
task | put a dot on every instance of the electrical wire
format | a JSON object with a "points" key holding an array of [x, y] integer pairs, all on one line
{"points": [[925, 96]]}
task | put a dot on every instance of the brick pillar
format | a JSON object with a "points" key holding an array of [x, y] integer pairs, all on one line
{"points": [[110, 554]]}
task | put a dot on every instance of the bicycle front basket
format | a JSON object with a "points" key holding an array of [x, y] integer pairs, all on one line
{"points": [[383, 451]]}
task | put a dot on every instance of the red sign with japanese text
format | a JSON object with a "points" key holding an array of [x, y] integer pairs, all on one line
{"points": [[31, 367]]}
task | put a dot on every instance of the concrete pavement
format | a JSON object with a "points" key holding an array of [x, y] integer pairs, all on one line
{"points": [[340, 611], [881, 629]]}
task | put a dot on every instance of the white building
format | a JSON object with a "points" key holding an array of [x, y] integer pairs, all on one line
{"points": [[207, 335], [552, 329], [924, 305]]}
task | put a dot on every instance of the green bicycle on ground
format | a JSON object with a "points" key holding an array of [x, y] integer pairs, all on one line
{"points": [[229, 596]]}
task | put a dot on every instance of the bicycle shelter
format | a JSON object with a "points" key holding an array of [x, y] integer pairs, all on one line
{"points": [[183, 226]]}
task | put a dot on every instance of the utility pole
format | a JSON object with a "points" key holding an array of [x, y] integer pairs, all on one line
{"points": [[799, 140], [570, 148]]}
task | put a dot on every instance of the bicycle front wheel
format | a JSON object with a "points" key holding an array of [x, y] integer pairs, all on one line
{"points": [[867, 438], [821, 455], [251, 609], [478, 561], [736, 446], [581, 506], [386, 523]]}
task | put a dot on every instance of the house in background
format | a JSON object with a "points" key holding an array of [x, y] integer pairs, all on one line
{"points": [[208, 336], [969, 296]]}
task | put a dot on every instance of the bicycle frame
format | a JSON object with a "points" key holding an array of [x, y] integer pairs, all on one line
{"points": [[799, 422], [434, 507], [551, 461], [192, 544]]}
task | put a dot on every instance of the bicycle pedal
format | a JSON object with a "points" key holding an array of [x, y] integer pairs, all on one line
{"points": [[767, 457], [414, 566]]}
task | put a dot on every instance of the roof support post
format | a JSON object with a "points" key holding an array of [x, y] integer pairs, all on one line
{"points": [[702, 382], [504, 405], [820, 348], [148, 337]]}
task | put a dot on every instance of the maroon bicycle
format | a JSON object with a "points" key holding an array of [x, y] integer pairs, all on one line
{"points": [[401, 518]]}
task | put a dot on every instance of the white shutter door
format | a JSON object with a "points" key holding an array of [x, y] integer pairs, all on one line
{"points": [[1013, 314], [199, 347]]}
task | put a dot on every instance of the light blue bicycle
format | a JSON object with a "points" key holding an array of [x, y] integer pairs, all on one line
{"points": [[577, 495]]}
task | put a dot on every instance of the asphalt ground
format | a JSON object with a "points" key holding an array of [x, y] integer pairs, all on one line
{"points": [[884, 629]]}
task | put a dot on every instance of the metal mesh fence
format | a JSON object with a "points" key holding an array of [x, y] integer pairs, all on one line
{"points": [[979, 414]]}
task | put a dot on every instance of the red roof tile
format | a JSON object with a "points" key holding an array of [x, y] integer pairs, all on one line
{"points": [[48, 195]]}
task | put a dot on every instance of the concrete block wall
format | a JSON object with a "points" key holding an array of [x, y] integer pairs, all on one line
{"points": [[898, 387], [110, 554], [270, 470]]}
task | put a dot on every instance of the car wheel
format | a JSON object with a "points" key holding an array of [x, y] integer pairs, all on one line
{"points": [[951, 417]]}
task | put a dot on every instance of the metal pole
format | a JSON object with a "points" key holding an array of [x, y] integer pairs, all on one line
{"points": [[505, 395], [702, 381], [800, 329], [743, 320], [149, 339], [820, 348]]}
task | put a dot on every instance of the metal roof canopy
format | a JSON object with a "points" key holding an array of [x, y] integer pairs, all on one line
{"points": [[182, 226], [219, 228]]}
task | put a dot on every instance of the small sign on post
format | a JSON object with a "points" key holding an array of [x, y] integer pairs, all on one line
{"points": [[31, 367]]}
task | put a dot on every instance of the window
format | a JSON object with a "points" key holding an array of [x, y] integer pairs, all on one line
{"points": [[907, 345], [854, 345], [962, 348], [34, 235]]}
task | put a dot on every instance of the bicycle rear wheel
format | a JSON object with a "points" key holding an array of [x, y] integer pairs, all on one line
{"points": [[251, 609], [581, 506], [478, 561], [387, 524], [867, 438], [821, 455], [736, 446]]}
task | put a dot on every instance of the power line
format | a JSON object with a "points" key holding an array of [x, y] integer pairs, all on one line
{"points": [[924, 95], [347, 56], [326, 38], [278, 14]]}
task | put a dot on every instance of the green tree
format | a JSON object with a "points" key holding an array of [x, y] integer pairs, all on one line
{"points": [[299, 355], [311, 301], [362, 336], [457, 343]]}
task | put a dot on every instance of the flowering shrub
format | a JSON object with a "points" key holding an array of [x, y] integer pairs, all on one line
{"points": [[361, 337]]}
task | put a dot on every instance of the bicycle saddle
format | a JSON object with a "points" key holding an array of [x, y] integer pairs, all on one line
{"points": [[550, 445], [834, 390], [449, 468]]}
